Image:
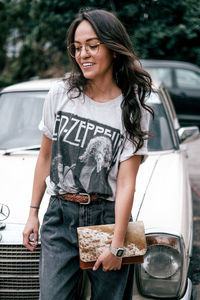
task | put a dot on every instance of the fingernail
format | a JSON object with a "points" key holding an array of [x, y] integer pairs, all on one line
{"points": [[94, 269]]}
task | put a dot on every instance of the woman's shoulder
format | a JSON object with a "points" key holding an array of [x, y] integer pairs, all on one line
{"points": [[59, 86]]}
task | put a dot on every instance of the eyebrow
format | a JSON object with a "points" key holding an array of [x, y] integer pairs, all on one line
{"points": [[90, 39]]}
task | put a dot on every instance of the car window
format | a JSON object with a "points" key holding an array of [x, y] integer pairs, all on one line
{"points": [[161, 138], [161, 74], [20, 114], [187, 78]]}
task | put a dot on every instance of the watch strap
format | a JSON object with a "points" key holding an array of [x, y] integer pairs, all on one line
{"points": [[118, 252]]}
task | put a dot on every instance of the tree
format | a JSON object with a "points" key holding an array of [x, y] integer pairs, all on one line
{"points": [[163, 29], [159, 29], [41, 30], [4, 33]]}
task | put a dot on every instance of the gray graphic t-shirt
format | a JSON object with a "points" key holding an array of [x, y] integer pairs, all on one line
{"points": [[88, 142]]}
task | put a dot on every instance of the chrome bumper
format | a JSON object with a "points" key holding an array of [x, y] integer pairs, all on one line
{"points": [[188, 291], [187, 295]]}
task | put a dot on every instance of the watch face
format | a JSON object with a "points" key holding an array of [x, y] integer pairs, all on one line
{"points": [[120, 252]]}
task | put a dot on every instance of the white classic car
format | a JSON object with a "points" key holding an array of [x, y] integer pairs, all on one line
{"points": [[162, 198]]}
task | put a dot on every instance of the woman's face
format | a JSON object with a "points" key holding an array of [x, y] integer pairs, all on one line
{"points": [[96, 64]]}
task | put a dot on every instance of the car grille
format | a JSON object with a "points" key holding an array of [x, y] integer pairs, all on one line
{"points": [[19, 269]]}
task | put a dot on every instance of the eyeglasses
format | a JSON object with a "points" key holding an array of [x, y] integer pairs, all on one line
{"points": [[91, 47]]}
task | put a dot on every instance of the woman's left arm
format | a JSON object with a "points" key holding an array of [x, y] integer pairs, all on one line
{"points": [[126, 180]]}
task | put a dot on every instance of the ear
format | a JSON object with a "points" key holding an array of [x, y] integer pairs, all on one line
{"points": [[114, 55]]}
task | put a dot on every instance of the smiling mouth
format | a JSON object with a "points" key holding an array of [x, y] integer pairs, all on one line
{"points": [[86, 65]]}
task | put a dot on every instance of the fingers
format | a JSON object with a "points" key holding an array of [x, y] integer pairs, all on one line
{"points": [[33, 239], [26, 241], [36, 238], [30, 240], [104, 267], [110, 269], [97, 264], [30, 234], [108, 261]]}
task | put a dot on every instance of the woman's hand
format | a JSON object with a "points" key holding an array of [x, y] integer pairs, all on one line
{"points": [[108, 261], [42, 170], [30, 233]]}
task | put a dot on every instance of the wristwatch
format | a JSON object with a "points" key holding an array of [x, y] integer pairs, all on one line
{"points": [[118, 252]]}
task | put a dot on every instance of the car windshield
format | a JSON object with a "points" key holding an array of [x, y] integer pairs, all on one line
{"points": [[21, 112], [161, 138]]}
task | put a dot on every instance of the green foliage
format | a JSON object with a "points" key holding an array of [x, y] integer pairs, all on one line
{"points": [[4, 33], [165, 29], [159, 29]]}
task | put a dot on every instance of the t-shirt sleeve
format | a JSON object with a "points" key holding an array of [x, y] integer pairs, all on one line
{"points": [[48, 116], [129, 147]]}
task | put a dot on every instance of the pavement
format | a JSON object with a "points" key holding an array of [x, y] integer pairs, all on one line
{"points": [[194, 173]]}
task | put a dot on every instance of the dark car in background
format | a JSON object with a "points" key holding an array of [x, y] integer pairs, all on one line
{"points": [[183, 82]]}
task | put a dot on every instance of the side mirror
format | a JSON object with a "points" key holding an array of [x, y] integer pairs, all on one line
{"points": [[188, 134]]}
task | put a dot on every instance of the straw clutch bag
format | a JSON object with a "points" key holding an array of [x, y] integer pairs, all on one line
{"points": [[94, 239]]}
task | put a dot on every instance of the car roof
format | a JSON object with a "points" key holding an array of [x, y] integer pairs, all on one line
{"points": [[44, 85], [169, 63], [32, 85]]}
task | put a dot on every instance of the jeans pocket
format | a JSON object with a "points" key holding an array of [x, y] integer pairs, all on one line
{"points": [[70, 214], [52, 202]]}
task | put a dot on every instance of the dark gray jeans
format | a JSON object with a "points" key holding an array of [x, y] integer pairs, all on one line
{"points": [[60, 274]]}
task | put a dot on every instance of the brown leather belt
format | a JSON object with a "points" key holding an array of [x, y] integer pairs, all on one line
{"points": [[82, 198]]}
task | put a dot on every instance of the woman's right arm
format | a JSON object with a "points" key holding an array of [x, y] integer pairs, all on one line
{"points": [[42, 170]]}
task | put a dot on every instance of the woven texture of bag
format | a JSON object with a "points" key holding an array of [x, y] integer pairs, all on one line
{"points": [[94, 239]]}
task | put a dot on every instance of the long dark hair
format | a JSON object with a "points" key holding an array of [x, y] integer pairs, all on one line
{"points": [[134, 82]]}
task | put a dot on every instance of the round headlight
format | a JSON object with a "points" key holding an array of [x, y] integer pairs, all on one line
{"points": [[161, 261]]}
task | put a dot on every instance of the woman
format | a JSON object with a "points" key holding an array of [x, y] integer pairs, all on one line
{"points": [[95, 126]]}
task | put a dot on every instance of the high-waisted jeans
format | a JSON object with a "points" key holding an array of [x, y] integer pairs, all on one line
{"points": [[60, 274]]}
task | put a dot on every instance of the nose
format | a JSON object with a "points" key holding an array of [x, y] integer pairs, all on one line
{"points": [[84, 53]]}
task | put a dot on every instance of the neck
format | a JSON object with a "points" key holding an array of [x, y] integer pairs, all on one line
{"points": [[102, 90]]}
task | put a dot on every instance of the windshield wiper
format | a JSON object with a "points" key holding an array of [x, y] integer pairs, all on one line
{"points": [[13, 150]]}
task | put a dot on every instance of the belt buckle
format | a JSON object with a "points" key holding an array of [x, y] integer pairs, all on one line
{"points": [[89, 198]]}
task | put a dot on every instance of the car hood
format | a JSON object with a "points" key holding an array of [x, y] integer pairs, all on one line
{"points": [[16, 177], [162, 194]]}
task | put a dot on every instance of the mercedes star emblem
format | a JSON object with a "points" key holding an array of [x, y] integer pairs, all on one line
{"points": [[4, 212]]}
